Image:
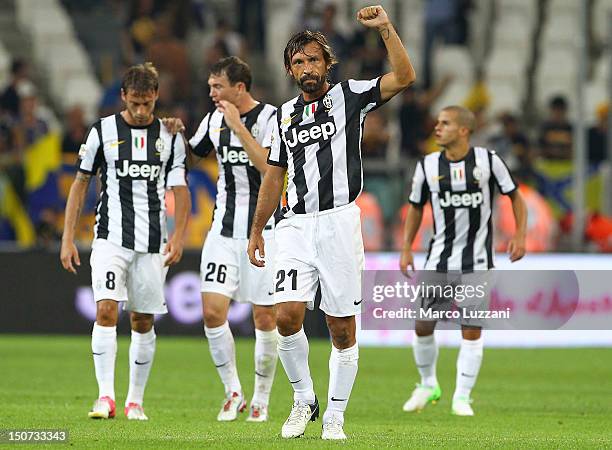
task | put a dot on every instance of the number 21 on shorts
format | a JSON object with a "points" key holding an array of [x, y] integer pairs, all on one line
{"points": [[283, 278]]}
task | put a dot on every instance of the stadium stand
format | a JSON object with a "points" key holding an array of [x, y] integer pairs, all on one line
{"points": [[504, 56]]}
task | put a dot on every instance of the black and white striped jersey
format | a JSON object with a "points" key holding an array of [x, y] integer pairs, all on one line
{"points": [[461, 194], [320, 144], [136, 166], [239, 180]]}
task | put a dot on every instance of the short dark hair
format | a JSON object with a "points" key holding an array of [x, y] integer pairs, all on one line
{"points": [[299, 40], [142, 78], [558, 102], [235, 69], [464, 117], [17, 65]]}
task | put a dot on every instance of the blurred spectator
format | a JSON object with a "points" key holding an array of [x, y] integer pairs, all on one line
{"points": [[369, 52], [251, 23], [372, 224], [598, 136], [29, 125], [375, 136], [556, 131], [10, 157], [416, 122], [478, 101], [446, 20], [47, 231], [9, 101], [309, 15], [111, 103], [513, 146], [75, 130], [166, 99], [170, 56], [224, 42], [139, 30], [179, 13], [336, 39]]}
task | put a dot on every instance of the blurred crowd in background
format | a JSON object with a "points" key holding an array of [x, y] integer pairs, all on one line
{"points": [[39, 142]]}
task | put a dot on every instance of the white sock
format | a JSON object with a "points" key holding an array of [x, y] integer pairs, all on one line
{"points": [[223, 353], [293, 353], [468, 366], [425, 352], [142, 351], [266, 356], [342, 373], [104, 349]]}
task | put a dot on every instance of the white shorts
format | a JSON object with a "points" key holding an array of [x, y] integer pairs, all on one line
{"points": [[226, 269], [466, 291], [323, 248], [123, 275]]}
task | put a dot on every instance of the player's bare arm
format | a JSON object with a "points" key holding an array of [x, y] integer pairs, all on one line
{"points": [[413, 222], [267, 201], [257, 154], [403, 74], [182, 208], [516, 246], [69, 254]]}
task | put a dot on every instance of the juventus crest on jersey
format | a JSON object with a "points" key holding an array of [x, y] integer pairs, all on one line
{"points": [[320, 144], [239, 180], [136, 166], [461, 194]]}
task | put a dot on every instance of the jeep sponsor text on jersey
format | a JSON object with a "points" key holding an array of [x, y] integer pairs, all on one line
{"points": [[461, 200], [310, 133], [234, 155], [138, 170]]}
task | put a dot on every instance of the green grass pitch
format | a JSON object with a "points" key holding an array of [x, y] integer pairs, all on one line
{"points": [[540, 398]]}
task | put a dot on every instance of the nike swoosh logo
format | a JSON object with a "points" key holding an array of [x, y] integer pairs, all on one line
{"points": [[333, 399], [466, 375], [270, 293], [260, 375], [438, 178], [138, 363], [219, 130], [293, 382], [287, 120], [357, 302], [117, 143], [98, 354], [221, 365]]}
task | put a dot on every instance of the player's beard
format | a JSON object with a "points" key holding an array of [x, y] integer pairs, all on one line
{"points": [[311, 88]]}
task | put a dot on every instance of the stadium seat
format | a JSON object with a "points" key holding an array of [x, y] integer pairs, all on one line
{"points": [[525, 8], [455, 60], [505, 97], [561, 30], [509, 63], [5, 65], [601, 19], [84, 91], [455, 94], [565, 6], [512, 30], [556, 74]]}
